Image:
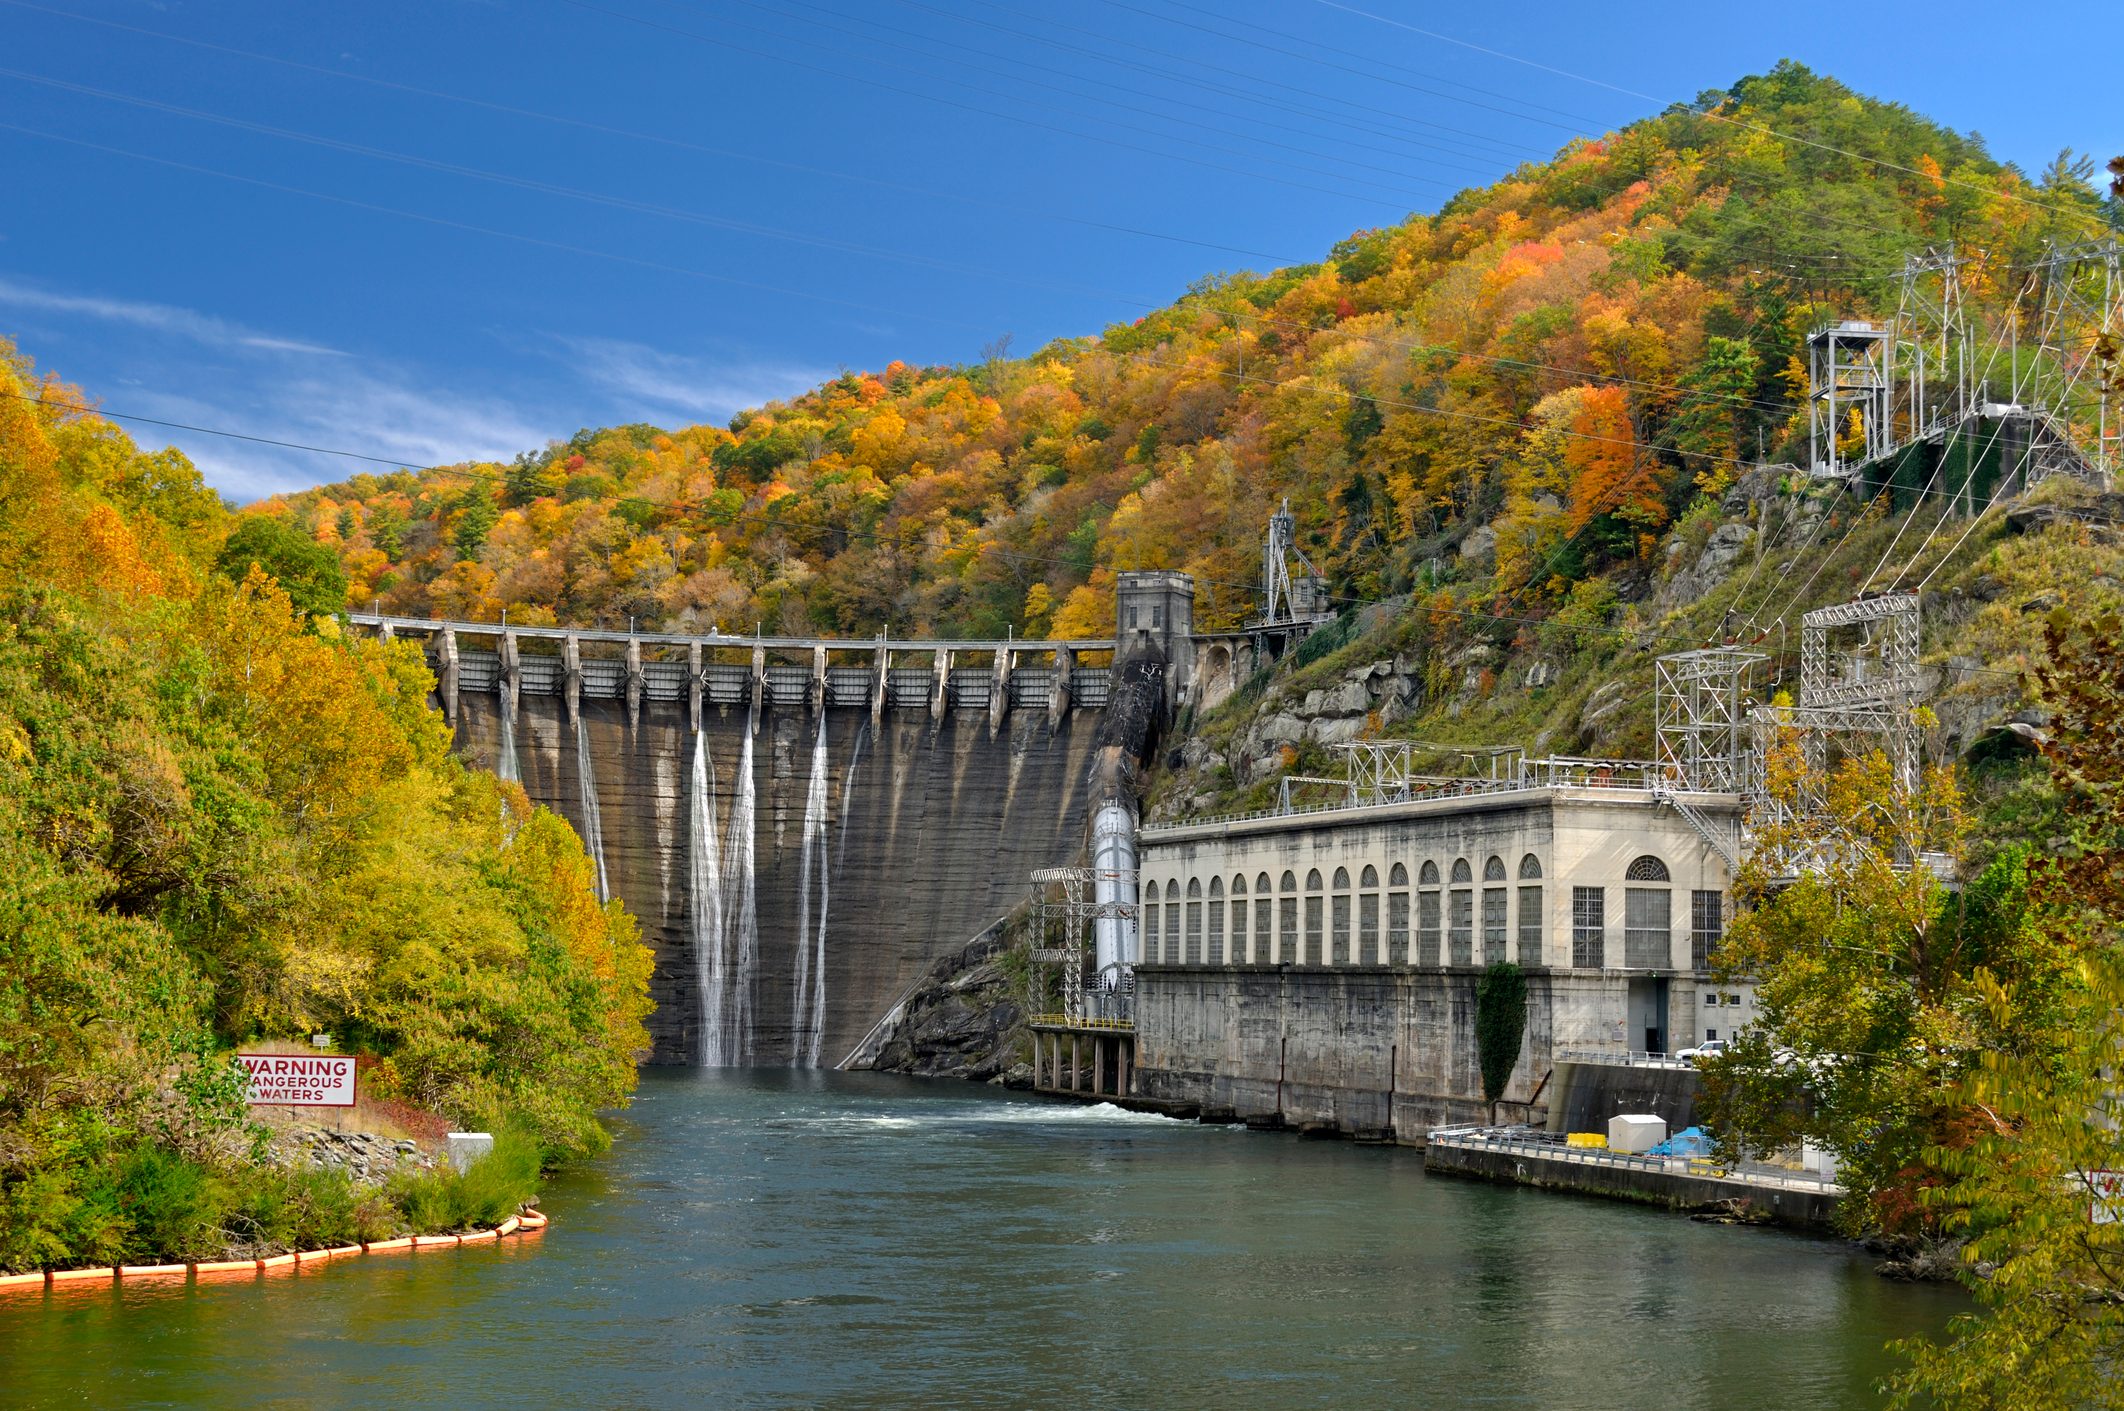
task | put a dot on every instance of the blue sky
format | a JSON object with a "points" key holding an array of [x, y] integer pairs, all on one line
{"points": [[463, 227]]}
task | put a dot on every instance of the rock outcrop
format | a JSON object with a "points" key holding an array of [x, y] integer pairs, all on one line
{"points": [[964, 1020]]}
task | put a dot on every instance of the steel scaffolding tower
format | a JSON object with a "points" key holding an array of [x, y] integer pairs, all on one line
{"points": [[1060, 927], [1848, 374], [2079, 379], [1285, 599], [1701, 717]]}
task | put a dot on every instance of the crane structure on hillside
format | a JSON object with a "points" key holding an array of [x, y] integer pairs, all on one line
{"points": [[1289, 600]]}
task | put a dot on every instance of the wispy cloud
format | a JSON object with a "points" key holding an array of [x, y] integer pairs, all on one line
{"points": [[200, 328], [699, 388], [374, 414]]}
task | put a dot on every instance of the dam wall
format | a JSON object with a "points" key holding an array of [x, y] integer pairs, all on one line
{"points": [[796, 869]]}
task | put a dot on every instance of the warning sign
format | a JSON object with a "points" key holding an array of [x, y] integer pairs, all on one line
{"points": [[299, 1079]]}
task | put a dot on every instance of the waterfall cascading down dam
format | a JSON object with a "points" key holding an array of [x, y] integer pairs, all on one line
{"points": [[795, 867], [800, 843], [722, 846]]}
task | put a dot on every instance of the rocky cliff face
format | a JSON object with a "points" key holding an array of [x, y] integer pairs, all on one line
{"points": [[1578, 679], [965, 1019]]}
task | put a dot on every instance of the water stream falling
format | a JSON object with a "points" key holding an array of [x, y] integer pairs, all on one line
{"points": [[741, 916], [505, 766], [705, 891], [808, 1021], [593, 826]]}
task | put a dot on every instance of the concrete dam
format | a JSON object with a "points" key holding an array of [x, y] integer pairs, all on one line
{"points": [[801, 828]]}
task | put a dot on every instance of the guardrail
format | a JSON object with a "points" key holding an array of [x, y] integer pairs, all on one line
{"points": [[1632, 1058], [1551, 1146], [1536, 775], [1063, 1021]]}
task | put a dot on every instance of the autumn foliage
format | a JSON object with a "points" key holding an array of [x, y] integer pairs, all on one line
{"points": [[1571, 356], [222, 821]]}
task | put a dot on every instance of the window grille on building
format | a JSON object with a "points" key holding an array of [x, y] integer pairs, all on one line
{"points": [[1172, 923], [1287, 921], [1648, 929], [1238, 920], [1154, 947], [1493, 870], [1216, 921], [1589, 927], [1494, 922], [1460, 870], [1529, 868], [1647, 869], [1460, 925], [1530, 924], [1429, 877], [1707, 927], [1194, 921], [1427, 928], [1264, 920], [1313, 911]]}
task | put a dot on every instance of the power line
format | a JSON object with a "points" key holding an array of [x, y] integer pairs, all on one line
{"points": [[930, 97], [660, 139], [991, 55], [1619, 635], [751, 228], [1711, 115]]}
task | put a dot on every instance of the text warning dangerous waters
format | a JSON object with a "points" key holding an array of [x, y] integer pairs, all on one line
{"points": [[299, 1079]]}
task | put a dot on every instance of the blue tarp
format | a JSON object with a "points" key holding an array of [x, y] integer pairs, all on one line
{"points": [[1689, 1141]]}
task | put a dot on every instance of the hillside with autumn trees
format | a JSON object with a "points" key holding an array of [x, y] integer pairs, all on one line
{"points": [[224, 823], [1573, 357]]}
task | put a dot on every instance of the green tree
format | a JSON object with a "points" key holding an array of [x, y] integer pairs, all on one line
{"points": [[1868, 971], [1500, 1025], [476, 518], [2032, 1167], [307, 571]]}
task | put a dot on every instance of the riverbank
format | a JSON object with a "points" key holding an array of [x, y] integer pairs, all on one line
{"points": [[783, 1239], [528, 1222]]}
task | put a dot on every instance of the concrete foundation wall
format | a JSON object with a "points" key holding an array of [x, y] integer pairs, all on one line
{"points": [[1361, 1051]]}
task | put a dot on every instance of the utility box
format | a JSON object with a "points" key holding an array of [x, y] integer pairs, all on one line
{"points": [[1636, 1133], [464, 1148]]}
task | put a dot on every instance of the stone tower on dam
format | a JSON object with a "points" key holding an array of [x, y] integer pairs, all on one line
{"points": [[801, 827]]}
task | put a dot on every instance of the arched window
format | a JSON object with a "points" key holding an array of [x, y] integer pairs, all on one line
{"points": [[1493, 870], [1216, 921], [1287, 920], [1495, 902], [1368, 916], [1531, 911], [1194, 921], [1429, 924], [1172, 922], [1314, 919], [1648, 917], [1397, 936], [1460, 916], [1264, 921], [1238, 920], [1339, 919], [1153, 940]]}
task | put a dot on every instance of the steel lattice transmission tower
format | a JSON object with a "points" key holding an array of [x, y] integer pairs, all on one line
{"points": [[1701, 713], [1848, 377], [2079, 380]]}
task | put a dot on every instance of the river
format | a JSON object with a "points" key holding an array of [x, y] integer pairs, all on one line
{"points": [[777, 1239]]}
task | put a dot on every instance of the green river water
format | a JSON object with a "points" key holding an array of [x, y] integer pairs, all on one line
{"points": [[775, 1239]]}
